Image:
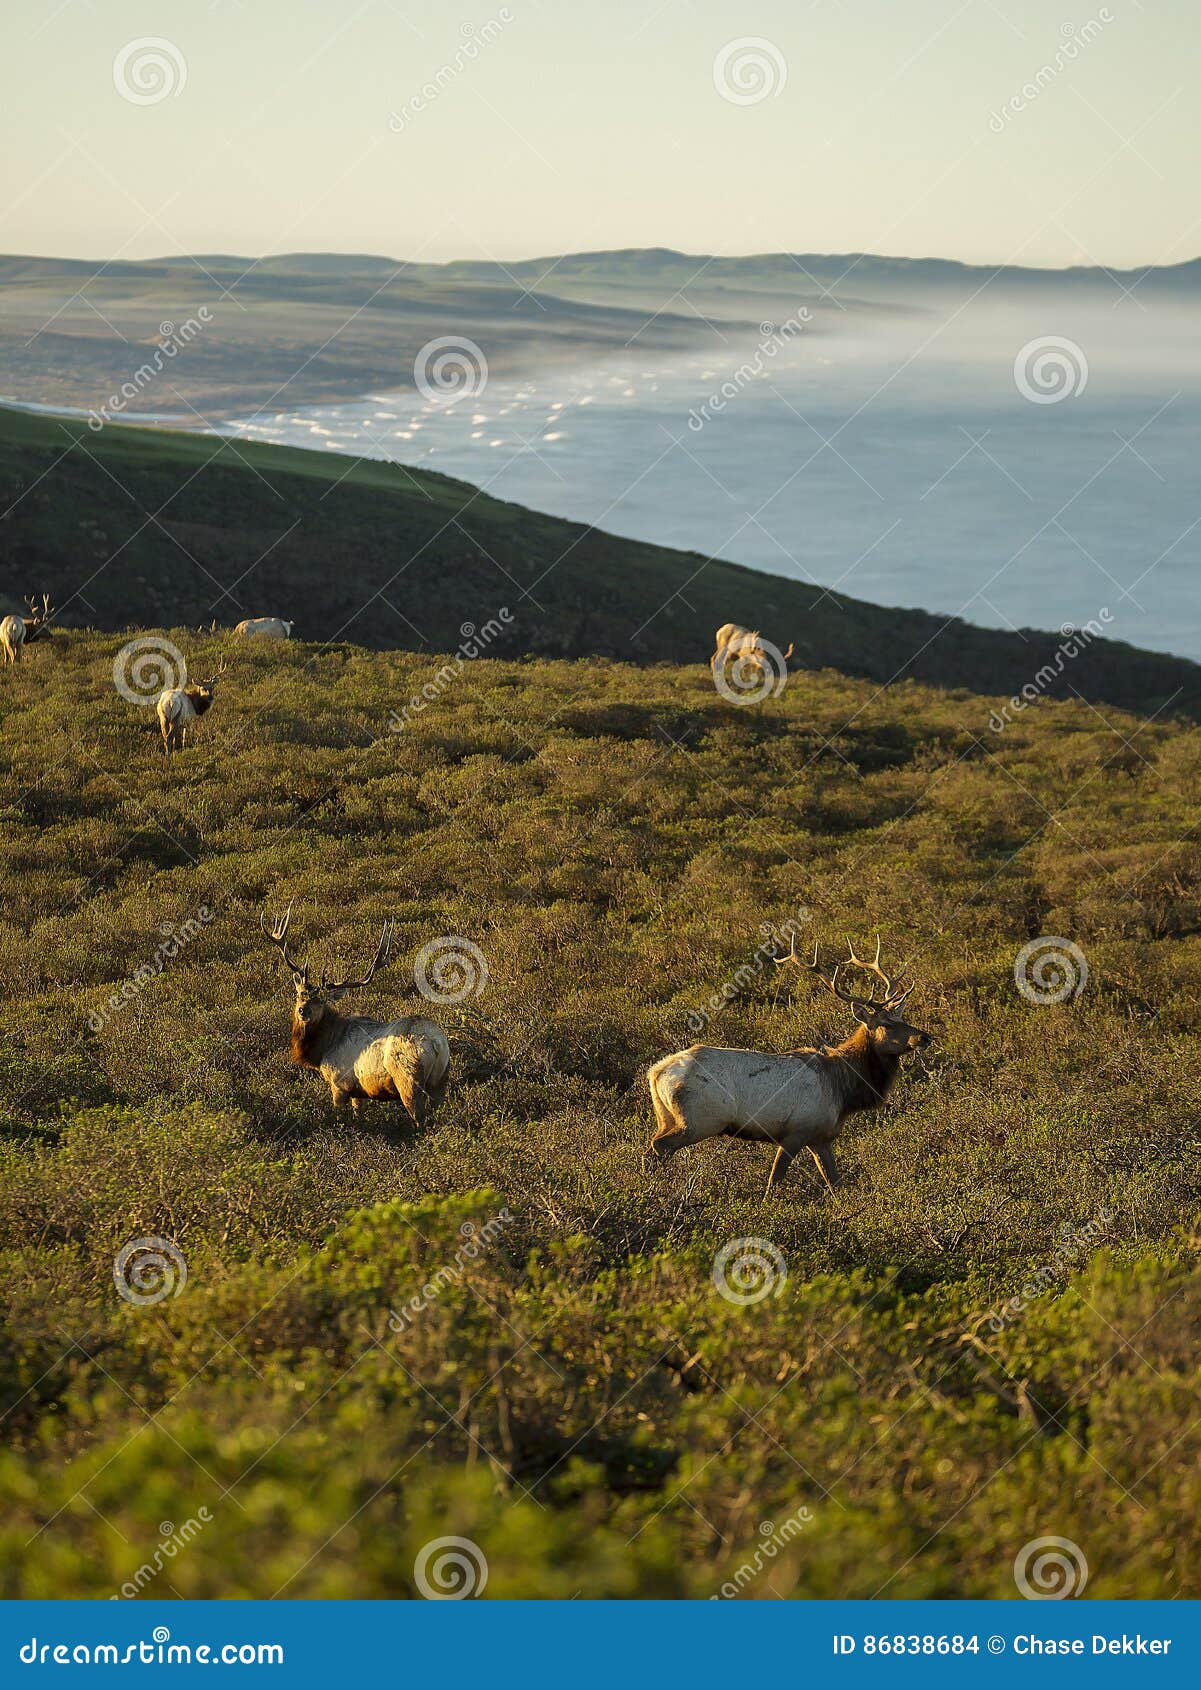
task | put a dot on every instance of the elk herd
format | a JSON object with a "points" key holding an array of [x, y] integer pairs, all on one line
{"points": [[791, 1100]]}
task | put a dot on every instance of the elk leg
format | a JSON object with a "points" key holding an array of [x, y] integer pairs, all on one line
{"points": [[435, 1094], [779, 1167], [823, 1155]]}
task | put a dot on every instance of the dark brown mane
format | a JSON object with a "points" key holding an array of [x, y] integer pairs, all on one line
{"points": [[199, 697], [865, 1074]]}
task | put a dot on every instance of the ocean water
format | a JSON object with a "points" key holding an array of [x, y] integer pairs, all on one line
{"points": [[905, 462]]}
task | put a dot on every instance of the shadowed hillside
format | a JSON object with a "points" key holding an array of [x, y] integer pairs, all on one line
{"points": [[134, 527]]}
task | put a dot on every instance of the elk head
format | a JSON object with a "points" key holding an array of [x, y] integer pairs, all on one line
{"points": [[879, 1013], [202, 693], [315, 997], [37, 622]]}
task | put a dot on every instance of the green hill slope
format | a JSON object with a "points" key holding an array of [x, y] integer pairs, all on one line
{"points": [[988, 1336], [131, 527]]}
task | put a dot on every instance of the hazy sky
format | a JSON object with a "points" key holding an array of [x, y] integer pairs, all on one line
{"points": [[885, 125]]}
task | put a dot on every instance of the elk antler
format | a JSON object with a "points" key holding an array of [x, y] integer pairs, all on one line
{"points": [[381, 959], [891, 999], [41, 616], [278, 935]]}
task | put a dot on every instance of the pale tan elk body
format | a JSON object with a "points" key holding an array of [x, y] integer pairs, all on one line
{"points": [[734, 643], [406, 1061], [268, 627], [16, 632], [179, 707], [797, 1100]]}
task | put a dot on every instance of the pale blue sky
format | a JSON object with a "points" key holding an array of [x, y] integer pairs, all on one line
{"points": [[598, 124]]}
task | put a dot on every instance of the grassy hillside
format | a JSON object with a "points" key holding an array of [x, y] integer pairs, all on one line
{"points": [[135, 526], [579, 1399]]}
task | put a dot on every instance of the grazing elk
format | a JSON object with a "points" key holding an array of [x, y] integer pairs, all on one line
{"points": [[733, 643], [16, 632], [178, 708], [797, 1100], [357, 1057], [269, 627]]}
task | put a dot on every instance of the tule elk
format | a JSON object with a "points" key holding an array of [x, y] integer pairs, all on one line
{"points": [[734, 643], [178, 708], [16, 632], [269, 627], [406, 1060], [797, 1100]]}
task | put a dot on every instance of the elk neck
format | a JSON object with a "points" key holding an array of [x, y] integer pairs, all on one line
{"points": [[864, 1075], [309, 1044], [198, 700]]}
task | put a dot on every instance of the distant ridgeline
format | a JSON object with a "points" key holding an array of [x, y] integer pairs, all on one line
{"points": [[129, 527]]}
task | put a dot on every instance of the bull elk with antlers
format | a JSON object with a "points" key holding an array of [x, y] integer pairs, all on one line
{"points": [[178, 708], [797, 1100], [16, 632], [406, 1060]]}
